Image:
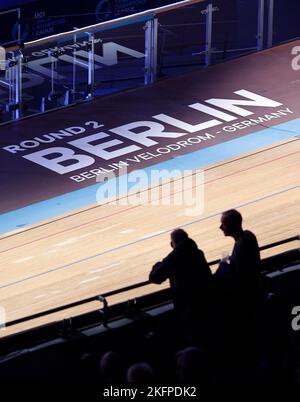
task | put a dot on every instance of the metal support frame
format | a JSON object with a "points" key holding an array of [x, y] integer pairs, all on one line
{"points": [[43, 104], [270, 23], [53, 59], [74, 69], [13, 74], [260, 25], [151, 35], [18, 83], [154, 48], [103, 298], [208, 34], [91, 66], [147, 75], [13, 65]]}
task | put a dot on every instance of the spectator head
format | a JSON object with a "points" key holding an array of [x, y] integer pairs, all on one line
{"points": [[177, 237], [270, 372], [192, 366], [111, 368], [140, 373], [298, 375], [231, 222]]}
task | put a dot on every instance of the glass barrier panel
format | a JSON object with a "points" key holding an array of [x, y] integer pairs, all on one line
{"points": [[10, 27], [235, 27], [55, 75], [8, 77], [286, 21], [181, 40], [119, 58]]}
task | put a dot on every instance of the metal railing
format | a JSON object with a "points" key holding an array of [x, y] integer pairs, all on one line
{"points": [[143, 16], [63, 69], [103, 298]]}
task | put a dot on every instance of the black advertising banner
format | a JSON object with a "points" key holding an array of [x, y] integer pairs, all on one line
{"points": [[62, 151]]}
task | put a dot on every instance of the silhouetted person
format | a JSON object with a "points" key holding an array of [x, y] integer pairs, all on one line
{"points": [[270, 371], [192, 367], [189, 275], [243, 266], [111, 368], [89, 369], [236, 281]]}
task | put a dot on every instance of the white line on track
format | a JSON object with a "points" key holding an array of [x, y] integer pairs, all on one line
{"points": [[40, 296], [105, 267], [98, 231], [139, 240], [153, 234], [20, 260], [127, 231], [54, 250], [90, 280], [71, 240]]}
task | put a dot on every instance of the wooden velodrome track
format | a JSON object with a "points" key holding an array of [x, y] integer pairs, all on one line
{"points": [[106, 247]]}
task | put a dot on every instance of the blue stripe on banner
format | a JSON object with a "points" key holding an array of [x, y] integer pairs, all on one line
{"points": [[65, 203]]}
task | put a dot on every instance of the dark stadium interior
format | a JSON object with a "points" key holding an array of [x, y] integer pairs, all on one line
{"points": [[242, 333]]}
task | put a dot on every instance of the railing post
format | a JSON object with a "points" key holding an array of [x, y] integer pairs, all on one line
{"points": [[151, 35], [208, 34], [19, 25], [270, 23], [154, 48], [14, 78], [67, 98], [18, 85], [43, 104], [103, 311], [91, 66], [260, 25], [147, 74], [52, 54], [74, 69]]}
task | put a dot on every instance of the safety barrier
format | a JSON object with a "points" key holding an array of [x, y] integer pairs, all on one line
{"points": [[103, 298], [75, 66]]}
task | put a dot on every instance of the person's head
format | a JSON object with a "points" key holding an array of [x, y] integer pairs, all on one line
{"points": [[231, 223], [269, 372], [140, 373], [111, 367], [177, 237], [192, 366]]}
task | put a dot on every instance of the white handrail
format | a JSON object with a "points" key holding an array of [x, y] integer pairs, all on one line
{"points": [[117, 21]]}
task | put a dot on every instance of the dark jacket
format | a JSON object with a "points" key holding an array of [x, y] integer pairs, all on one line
{"points": [[189, 275], [239, 277], [245, 258]]}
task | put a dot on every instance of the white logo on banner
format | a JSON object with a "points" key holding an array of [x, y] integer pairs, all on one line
{"points": [[142, 140]]}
